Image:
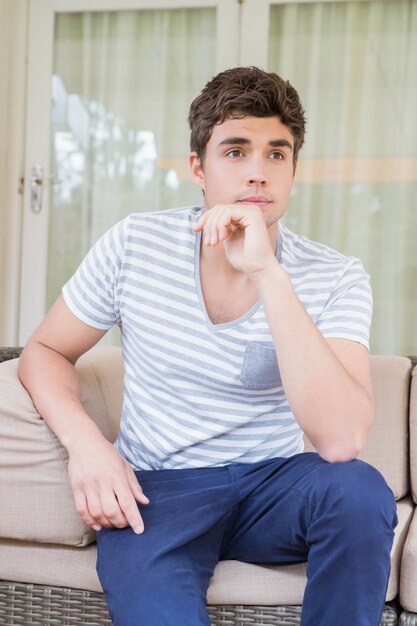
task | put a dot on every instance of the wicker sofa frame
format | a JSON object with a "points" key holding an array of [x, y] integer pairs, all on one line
{"points": [[38, 605], [24, 604]]}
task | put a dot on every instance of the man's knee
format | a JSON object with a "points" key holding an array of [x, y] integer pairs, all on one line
{"points": [[358, 493]]}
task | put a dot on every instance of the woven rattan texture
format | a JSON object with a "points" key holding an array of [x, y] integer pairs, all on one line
{"points": [[408, 619], [37, 605], [9, 353]]}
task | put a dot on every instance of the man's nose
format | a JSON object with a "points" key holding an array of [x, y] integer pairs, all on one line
{"points": [[256, 174]]}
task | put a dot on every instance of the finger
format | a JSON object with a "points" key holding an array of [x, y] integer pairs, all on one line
{"points": [[95, 509], [207, 221], [135, 487], [111, 508], [212, 237], [211, 227], [224, 232], [203, 225], [216, 224], [130, 510], [208, 231], [201, 221], [82, 510], [225, 226]]}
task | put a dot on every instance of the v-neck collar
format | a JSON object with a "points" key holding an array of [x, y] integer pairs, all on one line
{"points": [[197, 278]]}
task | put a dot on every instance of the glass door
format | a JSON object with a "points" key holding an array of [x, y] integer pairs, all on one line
{"points": [[107, 123], [354, 64]]}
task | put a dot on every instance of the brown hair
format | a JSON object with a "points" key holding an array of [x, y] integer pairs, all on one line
{"points": [[240, 92]]}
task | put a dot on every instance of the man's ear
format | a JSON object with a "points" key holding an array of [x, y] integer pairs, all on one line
{"points": [[196, 170]]}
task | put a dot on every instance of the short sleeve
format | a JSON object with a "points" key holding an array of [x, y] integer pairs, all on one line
{"points": [[92, 292], [348, 312]]}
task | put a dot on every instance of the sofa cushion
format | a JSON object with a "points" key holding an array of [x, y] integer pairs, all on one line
{"points": [[244, 583], [34, 486], [232, 583]]}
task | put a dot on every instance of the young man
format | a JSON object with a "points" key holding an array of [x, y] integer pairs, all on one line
{"points": [[237, 337]]}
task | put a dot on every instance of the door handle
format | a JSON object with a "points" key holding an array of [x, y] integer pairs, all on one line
{"points": [[36, 188], [37, 182]]}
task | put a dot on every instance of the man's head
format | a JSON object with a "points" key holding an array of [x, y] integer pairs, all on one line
{"points": [[241, 92]]}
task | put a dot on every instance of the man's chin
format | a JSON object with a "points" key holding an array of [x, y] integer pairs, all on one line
{"points": [[271, 222]]}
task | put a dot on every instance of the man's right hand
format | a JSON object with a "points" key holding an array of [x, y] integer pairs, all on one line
{"points": [[105, 488]]}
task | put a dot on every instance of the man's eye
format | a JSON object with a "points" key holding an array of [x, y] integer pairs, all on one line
{"points": [[276, 155], [234, 153]]}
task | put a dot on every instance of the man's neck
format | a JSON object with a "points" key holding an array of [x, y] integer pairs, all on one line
{"points": [[228, 293]]}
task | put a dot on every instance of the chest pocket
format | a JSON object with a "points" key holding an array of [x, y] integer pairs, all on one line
{"points": [[260, 367]]}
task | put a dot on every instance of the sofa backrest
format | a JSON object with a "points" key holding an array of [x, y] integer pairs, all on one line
{"points": [[387, 444], [101, 371]]}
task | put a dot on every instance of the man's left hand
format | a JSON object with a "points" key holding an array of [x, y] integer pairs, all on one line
{"points": [[243, 233]]}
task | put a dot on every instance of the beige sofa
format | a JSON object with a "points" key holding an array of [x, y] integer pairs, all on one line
{"points": [[47, 554]]}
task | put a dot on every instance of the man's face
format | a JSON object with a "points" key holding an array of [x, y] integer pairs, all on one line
{"points": [[248, 161]]}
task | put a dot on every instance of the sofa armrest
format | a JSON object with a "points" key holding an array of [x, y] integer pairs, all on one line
{"points": [[413, 433]]}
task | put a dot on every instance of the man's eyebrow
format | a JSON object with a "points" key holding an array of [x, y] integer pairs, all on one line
{"points": [[280, 143], [241, 141], [233, 141]]}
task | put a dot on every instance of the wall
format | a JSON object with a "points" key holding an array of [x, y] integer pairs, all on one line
{"points": [[13, 39]]}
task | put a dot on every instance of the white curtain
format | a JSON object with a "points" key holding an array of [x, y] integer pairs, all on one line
{"points": [[123, 83], [355, 66]]}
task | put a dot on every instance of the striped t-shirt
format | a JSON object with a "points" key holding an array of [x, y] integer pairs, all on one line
{"points": [[198, 394]]}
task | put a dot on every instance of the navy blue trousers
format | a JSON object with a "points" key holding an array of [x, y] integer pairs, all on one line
{"points": [[339, 517]]}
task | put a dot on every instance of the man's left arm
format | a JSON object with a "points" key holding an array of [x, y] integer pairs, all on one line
{"points": [[327, 381]]}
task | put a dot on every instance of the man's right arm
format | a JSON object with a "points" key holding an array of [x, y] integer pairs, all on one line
{"points": [[104, 485]]}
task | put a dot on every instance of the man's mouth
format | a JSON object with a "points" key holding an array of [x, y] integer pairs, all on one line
{"points": [[259, 201]]}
